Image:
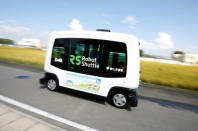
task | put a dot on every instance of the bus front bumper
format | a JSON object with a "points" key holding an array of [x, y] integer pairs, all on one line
{"points": [[133, 101], [133, 98], [43, 80]]}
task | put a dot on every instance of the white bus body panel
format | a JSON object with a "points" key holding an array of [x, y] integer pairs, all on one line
{"points": [[132, 76]]}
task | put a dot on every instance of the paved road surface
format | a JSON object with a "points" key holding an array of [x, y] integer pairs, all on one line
{"points": [[151, 114]]}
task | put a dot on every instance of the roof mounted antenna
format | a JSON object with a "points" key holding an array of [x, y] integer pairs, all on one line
{"points": [[105, 30]]}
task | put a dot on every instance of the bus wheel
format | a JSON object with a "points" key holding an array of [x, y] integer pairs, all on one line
{"points": [[119, 100], [52, 84]]}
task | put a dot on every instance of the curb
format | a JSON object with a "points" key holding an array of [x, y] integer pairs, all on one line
{"points": [[16, 117]]}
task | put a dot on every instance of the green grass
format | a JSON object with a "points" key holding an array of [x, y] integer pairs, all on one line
{"points": [[178, 76], [29, 57]]}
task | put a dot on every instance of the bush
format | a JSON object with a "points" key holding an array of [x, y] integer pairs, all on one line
{"points": [[6, 41]]}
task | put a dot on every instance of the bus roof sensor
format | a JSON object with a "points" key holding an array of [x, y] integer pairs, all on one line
{"points": [[105, 30]]}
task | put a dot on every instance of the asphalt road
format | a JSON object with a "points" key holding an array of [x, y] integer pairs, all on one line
{"points": [[152, 114]]}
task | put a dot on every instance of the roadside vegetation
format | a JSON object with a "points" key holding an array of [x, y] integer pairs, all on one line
{"points": [[178, 76], [29, 57], [6, 41]]}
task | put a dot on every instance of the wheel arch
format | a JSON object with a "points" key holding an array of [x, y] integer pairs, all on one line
{"points": [[51, 75], [120, 89]]}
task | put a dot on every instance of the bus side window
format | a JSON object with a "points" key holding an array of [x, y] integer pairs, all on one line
{"points": [[60, 53], [115, 59], [77, 50], [85, 55], [94, 50]]}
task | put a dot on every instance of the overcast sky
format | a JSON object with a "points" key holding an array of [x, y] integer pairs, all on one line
{"points": [[162, 26]]}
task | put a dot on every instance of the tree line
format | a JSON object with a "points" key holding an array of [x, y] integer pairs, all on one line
{"points": [[6, 41]]}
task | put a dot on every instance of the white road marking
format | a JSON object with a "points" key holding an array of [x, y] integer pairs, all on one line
{"points": [[45, 114]]}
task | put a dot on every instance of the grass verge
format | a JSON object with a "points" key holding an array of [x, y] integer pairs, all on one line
{"points": [[29, 57], [178, 76]]}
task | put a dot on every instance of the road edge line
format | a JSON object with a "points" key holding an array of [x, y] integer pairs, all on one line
{"points": [[45, 114]]}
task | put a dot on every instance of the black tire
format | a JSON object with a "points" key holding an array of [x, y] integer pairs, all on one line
{"points": [[52, 84], [119, 99]]}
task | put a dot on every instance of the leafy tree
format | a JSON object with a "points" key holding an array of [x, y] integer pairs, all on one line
{"points": [[180, 57], [178, 52], [6, 41]]}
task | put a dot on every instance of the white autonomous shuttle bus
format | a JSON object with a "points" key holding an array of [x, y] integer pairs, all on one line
{"points": [[97, 62]]}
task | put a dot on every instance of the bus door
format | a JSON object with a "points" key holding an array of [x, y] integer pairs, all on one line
{"points": [[84, 62]]}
